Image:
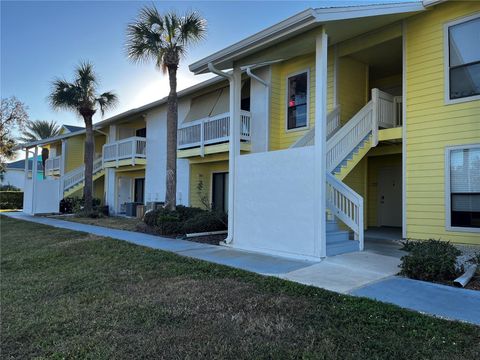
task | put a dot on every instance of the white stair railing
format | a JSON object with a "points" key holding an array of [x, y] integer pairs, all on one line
{"points": [[333, 124], [76, 176], [347, 205], [345, 140], [52, 165]]}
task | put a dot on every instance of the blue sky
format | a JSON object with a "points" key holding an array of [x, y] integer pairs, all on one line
{"points": [[43, 40]]}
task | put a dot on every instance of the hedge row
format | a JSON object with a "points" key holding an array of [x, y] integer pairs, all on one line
{"points": [[11, 199]]}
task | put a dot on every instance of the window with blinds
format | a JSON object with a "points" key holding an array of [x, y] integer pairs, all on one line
{"points": [[465, 187]]}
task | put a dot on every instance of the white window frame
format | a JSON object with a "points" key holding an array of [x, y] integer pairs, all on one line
{"points": [[448, 213], [307, 126], [446, 57]]}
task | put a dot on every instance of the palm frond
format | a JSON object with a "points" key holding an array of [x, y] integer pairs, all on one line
{"points": [[192, 27], [64, 95], [107, 100], [40, 129]]}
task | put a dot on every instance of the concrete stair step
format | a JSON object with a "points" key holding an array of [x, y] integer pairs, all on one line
{"points": [[332, 225], [337, 236]]}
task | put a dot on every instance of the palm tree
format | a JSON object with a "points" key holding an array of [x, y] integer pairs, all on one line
{"points": [[81, 96], [165, 39], [40, 129]]}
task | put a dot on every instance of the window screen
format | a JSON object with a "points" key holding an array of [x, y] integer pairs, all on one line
{"points": [[464, 55], [465, 187], [297, 101]]}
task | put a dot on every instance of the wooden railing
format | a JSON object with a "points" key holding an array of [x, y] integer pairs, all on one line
{"points": [[333, 124], [345, 204], [129, 148], [345, 140], [53, 164], [211, 130], [77, 175]]}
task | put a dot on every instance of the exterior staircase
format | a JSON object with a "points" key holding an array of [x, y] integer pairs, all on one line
{"points": [[346, 146], [73, 181]]}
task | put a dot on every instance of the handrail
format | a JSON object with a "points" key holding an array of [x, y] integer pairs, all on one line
{"points": [[211, 130], [347, 205], [132, 147], [77, 175], [333, 124], [345, 140], [52, 164]]}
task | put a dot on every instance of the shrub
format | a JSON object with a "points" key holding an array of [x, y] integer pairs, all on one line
{"points": [[9, 187], [206, 221], [431, 260], [70, 205], [184, 220], [11, 199]]}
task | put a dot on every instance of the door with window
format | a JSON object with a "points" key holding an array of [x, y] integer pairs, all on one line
{"points": [[124, 193], [139, 190], [220, 191]]}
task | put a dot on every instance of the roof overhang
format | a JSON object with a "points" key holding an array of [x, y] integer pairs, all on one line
{"points": [[300, 23]]}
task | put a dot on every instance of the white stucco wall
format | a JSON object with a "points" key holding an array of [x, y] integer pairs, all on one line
{"points": [[155, 173], [274, 206], [46, 199], [14, 177], [258, 109]]}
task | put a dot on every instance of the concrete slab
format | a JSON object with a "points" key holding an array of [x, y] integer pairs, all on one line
{"points": [[435, 299], [250, 261], [344, 273]]}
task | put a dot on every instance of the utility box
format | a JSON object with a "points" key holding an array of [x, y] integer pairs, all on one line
{"points": [[131, 209], [140, 211]]}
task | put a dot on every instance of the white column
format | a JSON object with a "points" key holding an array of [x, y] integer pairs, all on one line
{"points": [[63, 160], [26, 165], [234, 145], [34, 179], [321, 48]]}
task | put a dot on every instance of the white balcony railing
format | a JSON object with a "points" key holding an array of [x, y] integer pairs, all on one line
{"points": [[52, 165], [129, 148], [211, 130]]}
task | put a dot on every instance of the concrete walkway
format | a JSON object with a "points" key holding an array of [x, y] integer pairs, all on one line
{"points": [[368, 274]]}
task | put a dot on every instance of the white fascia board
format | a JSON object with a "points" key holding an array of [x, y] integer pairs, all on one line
{"points": [[428, 3], [300, 23]]}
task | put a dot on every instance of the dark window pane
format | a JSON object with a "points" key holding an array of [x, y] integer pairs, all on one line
{"points": [[141, 132], [465, 81], [139, 190], [297, 101], [464, 42]]}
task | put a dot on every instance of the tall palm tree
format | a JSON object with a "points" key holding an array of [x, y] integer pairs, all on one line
{"points": [[165, 39], [40, 129], [81, 96]]}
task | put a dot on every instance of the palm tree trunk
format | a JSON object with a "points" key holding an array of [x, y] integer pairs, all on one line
{"points": [[88, 160], [172, 120]]}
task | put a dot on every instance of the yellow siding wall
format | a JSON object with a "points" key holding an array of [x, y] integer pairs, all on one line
{"points": [[99, 142], [203, 172], [75, 147], [374, 164], [280, 138], [352, 86], [432, 125]]}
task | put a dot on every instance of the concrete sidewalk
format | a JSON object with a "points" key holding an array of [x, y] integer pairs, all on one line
{"points": [[368, 274]]}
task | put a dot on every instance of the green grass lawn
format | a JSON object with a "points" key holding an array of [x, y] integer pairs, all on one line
{"points": [[67, 294], [113, 222]]}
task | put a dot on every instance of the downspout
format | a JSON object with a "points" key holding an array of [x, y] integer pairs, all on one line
{"points": [[267, 110], [231, 153]]}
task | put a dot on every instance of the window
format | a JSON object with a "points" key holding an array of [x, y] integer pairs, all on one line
{"points": [[463, 59], [141, 132], [463, 183], [297, 101], [220, 191]]}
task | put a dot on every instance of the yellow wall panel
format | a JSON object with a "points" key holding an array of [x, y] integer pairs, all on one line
{"points": [[431, 124], [202, 172]]}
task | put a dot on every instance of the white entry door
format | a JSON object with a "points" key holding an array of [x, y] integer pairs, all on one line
{"points": [[124, 193], [390, 196]]}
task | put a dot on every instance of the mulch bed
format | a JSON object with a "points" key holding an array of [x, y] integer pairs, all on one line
{"points": [[209, 239]]}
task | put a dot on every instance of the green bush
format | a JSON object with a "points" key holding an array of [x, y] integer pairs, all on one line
{"points": [[11, 199], [431, 260], [184, 220], [74, 205]]}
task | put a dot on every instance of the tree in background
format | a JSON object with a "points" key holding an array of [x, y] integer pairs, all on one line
{"points": [[165, 39], [13, 116], [38, 130], [81, 97]]}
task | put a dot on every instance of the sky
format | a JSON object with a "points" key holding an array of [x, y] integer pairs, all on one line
{"points": [[44, 40]]}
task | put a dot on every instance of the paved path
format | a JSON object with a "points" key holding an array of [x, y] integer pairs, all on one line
{"points": [[368, 274]]}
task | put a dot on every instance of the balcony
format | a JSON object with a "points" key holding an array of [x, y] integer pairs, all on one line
{"points": [[210, 131], [52, 166], [130, 151]]}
